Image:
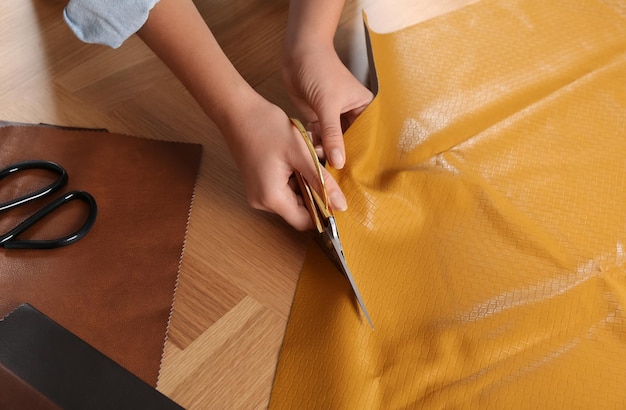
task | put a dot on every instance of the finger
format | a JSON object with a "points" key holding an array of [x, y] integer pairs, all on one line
{"points": [[332, 138], [295, 187], [300, 161], [290, 207], [336, 198], [283, 199], [313, 129], [319, 151]]}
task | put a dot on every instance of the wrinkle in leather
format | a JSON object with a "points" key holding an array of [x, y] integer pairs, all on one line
{"points": [[485, 229]]}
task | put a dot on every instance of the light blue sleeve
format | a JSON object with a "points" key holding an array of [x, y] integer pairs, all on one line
{"points": [[108, 22]]}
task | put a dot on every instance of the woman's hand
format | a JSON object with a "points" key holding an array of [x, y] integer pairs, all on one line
{"points": [[327, 95], [268, 149], [265, 145]]}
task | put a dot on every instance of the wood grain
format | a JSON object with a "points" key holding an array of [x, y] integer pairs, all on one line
{"points": [[240, 266]]}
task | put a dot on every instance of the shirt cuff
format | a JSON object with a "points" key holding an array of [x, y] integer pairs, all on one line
{"points": [[106, 22]]}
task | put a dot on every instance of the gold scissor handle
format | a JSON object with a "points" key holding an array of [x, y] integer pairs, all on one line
{"points": [[314, 203]]}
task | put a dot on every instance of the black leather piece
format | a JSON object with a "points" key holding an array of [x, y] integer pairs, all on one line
{"points": [[67, 370]]}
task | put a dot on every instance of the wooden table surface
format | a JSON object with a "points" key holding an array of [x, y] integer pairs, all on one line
{"points": [[240, 266]]}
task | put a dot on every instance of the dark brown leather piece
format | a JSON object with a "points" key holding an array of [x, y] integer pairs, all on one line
{"points": [[114, 288], [16, 394]]}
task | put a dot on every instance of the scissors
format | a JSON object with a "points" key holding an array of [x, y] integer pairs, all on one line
{"points": [[9, 239], [324, 219]]}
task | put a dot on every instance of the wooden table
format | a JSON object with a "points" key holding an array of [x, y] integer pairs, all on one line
{"points": [[240, 266]]}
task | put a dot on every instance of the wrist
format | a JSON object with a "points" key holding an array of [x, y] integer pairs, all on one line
{"points": [[229, 103], [311, 24], [304, 54], [234, 109]]}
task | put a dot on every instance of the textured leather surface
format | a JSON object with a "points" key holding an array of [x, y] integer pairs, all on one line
{"points": [[486, 228], [66, 370], [114, 288]]}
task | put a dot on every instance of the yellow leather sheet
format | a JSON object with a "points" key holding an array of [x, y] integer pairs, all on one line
{"points": [[487, 222]]}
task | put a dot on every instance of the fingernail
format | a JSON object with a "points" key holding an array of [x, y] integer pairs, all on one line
{"points": [[336, 158], [338, 201]]}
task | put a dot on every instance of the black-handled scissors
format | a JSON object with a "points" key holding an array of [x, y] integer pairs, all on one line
{"points": [[9, 240]]}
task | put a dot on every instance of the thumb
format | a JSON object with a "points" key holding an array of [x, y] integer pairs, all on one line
{"points": [[332, 137]]}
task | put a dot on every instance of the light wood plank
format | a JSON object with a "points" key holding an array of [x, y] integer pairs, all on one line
{"points": [[203, 375]]}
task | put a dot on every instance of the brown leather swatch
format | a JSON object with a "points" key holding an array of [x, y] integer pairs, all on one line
{"points": [[114, 288]]}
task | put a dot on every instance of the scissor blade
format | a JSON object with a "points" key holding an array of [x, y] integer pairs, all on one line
{"points": [[346, 271]]}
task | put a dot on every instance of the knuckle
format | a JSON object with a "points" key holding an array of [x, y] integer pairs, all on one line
{"points": [[262, 201], [331, 133]]}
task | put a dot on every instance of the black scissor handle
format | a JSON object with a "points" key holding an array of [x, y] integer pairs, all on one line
{"points": [[47, 190], [10, 241]]}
